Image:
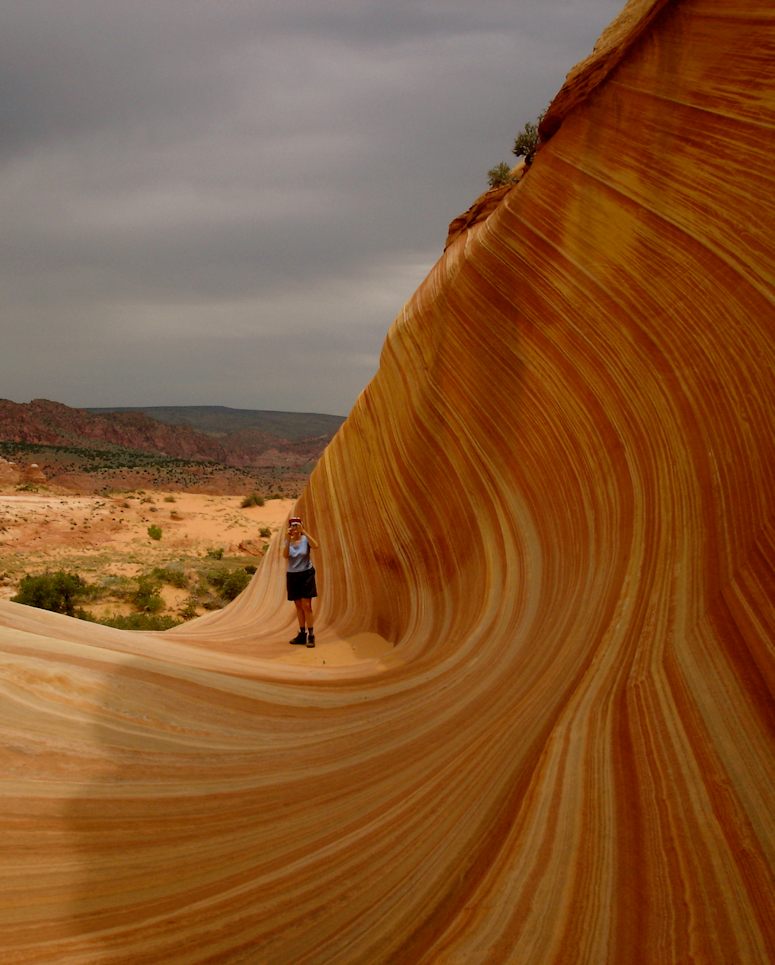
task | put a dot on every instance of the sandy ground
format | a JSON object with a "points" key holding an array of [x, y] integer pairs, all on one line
{"points": [[103, 536], [110, 534], [332, 650]]}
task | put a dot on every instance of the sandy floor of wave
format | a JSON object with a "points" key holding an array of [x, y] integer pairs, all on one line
{"points": [[331, 650]]}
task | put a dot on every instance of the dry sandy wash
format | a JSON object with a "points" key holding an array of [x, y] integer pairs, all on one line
{"points": [[555, 499], [49, 531]]}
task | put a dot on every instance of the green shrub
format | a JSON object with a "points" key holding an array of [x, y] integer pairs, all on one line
{"points": [[526, 142], [110, 584], [147, 598], [171, 575], [499, 175], [154, 531], [215, 553], [140, 621], [57, 591], [254, 499], [188, 610], [229, 583], [265, 532], [525, 145]]}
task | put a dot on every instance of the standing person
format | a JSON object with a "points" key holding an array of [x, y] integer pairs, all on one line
{"points": [[300, 578]]}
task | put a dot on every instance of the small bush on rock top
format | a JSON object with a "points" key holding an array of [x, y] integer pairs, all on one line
{"points": [[526, 142], [525, 145], [499, 175]]}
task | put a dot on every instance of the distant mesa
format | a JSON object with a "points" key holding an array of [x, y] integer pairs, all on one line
{"points": [[237, 439], [219, 421]]}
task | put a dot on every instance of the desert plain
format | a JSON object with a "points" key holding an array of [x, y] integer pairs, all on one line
{"points": [[106, 536], [105, 540]]}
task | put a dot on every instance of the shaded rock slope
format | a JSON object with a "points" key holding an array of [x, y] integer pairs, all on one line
{"points": [[556, 500]]}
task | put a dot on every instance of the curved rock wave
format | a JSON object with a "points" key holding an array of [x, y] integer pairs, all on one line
{"points": [[555, 501]]}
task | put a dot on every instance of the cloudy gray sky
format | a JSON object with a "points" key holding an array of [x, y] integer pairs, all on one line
{"points": [[228, 201]]}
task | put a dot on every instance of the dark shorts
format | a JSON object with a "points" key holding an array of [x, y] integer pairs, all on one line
{"points": [[301, 586]]}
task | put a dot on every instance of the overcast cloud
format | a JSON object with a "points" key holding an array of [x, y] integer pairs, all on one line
{"points": [[228, 202]]}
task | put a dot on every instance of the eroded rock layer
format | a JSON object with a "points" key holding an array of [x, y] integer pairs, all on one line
{"points": [[555, 499]]}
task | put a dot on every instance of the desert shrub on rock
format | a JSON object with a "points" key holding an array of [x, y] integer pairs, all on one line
{"points": [[526, 142], [525, 145], [154, 531], [499, 175]]}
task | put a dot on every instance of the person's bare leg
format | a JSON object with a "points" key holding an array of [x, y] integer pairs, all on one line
{"points": [[310, 626], [301, 616]]}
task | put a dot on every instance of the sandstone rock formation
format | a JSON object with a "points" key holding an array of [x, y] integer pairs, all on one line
{"points": [[556, 500], [32, 474], [484, 206], [12, 474], [9, 473]]}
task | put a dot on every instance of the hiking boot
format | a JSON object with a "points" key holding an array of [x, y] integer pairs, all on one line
{"points": [[311, 638], [300, 638]]}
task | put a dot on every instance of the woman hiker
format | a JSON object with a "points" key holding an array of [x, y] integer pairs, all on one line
{"points": [[300, 578]]}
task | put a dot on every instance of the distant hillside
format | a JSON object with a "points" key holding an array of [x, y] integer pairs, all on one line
{"points": [[51, 423], [284, 445], [218, 420]]}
